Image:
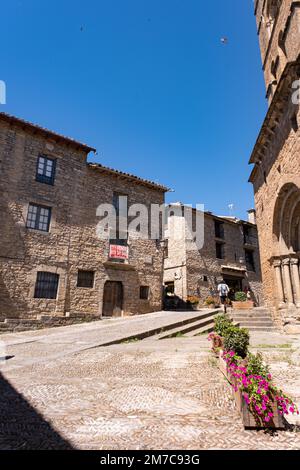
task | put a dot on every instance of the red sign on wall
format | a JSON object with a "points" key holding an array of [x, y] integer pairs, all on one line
{"points": [[118, 252]]}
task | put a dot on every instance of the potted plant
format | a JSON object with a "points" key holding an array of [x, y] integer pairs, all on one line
{"points": [[211, 302], [216, 343], [241, 301], [193, 302], [260, 402], [222, 324]]}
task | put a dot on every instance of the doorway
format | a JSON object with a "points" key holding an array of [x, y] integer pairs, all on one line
{"points": [[112, 299], [235, 284]]}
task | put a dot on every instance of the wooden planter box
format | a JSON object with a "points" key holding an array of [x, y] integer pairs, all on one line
{"points": [[243, 305], [251, 421]]}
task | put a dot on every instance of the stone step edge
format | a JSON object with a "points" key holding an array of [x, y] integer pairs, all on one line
{"points": [[157, 330]]}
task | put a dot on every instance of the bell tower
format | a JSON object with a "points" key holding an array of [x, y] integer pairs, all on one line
{"points": [[278, 26]]}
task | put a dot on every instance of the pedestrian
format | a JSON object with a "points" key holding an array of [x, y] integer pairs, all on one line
{"points": [[223, 291], [249, 294]]}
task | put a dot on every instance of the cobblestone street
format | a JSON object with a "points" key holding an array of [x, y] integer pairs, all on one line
{"points": [[146, 394]]}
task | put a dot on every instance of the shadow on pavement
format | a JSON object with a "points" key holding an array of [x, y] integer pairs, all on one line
{"points": [[21, 426]]}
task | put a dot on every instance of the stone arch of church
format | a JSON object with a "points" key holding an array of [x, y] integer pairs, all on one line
{"points": [[286, 220], [286, 243]]}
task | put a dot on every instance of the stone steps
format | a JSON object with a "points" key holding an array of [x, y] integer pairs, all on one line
{"points": [[173, 327], [249, 324], [199, 326], [205, 324], [258, 319], [203, 330]]}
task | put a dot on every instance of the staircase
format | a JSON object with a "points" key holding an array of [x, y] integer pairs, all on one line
{"points": [[201, 323], [257, 319]]}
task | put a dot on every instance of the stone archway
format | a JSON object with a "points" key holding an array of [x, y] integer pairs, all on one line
{"points": [[286, 246]]}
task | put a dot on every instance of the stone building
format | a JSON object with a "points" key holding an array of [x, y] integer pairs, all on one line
{"points": [[51, 260], [276, 159], [229, 252]]}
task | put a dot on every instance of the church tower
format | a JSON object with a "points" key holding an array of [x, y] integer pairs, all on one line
{"points": [[278, 26], [276, 159]]}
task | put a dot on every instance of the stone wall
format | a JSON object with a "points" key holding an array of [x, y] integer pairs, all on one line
{"points": [[279, 39], [71, 242], [277, 164], [197, 272]]}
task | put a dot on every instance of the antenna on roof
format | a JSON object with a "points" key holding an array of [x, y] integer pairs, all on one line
{"points": [[231, 209]]}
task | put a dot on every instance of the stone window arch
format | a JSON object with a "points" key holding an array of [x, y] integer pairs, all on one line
{"points": [[271, 13]]}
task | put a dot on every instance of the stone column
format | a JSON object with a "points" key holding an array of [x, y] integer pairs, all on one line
{"points": [[288, 281], [280, 293], [296, 279]]}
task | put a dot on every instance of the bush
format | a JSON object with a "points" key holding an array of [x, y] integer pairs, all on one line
{"points": [[237, 339], [222, 324], [240, 297], [256, 365], [210, 301]]}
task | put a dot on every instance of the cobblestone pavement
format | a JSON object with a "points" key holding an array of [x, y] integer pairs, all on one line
{"points": [[54, 343], [149, 394]]}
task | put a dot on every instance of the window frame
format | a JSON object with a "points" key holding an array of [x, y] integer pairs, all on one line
{"points": [[147, 289], [219, 229], [43, 178], [39, 207], [38, 289], [250, 265], [222, 247], [80, 280]]}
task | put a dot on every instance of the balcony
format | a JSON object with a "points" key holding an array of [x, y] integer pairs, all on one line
{"points": [[250, 240]]}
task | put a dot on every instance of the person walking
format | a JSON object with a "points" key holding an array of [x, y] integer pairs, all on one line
{"points": [[223, 291]]}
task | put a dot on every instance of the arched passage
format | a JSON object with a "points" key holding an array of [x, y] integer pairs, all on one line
{"points": [[286, 242]]}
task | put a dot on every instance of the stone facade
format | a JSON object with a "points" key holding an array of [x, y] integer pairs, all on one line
{"points": [[197, 272], [71, 243], [276, 172]]}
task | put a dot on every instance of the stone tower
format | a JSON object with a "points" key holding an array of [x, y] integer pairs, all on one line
{"points": [[276, 159]]}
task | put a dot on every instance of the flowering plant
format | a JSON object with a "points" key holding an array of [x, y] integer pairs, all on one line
{"points": [[258, 391], [217, 341], [193, 300], [210, 301]]}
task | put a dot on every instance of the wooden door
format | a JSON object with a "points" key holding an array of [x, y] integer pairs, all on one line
{"points": [[113, 299]]}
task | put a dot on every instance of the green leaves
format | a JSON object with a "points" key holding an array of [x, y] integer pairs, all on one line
{"points": [[237, 339]]}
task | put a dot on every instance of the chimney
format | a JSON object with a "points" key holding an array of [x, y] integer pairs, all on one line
{"points": [[252, 216]]}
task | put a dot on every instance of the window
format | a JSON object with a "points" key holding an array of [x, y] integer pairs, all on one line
{"points": [[45, 172], [144, 292], [46, 285], [170, 288], [249, 257], [38, 217], [219, 229], [85, 279], [220, 252], [120, 203]]}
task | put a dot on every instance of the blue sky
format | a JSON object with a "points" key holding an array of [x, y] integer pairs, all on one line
{"points": [[148, 83]]}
